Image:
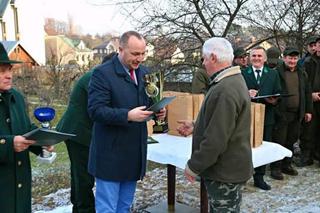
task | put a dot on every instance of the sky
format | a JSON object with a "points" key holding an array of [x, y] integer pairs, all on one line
{"points": [[91, 15]]}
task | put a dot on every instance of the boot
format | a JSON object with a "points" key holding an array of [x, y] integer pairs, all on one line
{"points": [[260, 183], [289, 170], [276, 174], [302, 162]]}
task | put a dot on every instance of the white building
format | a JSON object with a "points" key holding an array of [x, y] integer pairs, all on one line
{"points": [[22, 21]]}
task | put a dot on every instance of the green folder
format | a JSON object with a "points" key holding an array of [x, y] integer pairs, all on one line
{"points": [[47, 137]]}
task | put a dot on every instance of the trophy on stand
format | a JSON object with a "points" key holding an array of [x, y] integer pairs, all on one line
{"points": [[44, 115], [154, 87]]}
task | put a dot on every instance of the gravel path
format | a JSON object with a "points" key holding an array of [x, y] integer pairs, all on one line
{"points": [[294, 194]]}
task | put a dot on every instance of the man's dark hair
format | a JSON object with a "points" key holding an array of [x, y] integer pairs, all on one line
{"points": [[125, 37]]}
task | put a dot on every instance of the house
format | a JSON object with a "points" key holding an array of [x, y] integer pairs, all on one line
{"points": [[17, 52], [106, 48], [62, 50], [18, 23]]}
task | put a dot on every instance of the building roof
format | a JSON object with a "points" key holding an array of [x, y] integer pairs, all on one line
{"points": [[74, 43], [3, 6], [102, 46], [11, 45]]}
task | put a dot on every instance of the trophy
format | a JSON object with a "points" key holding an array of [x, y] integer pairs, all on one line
{"points": [[44, 115], [154, 87]]}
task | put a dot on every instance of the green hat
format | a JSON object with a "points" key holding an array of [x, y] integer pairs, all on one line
{"points": [[312, 39], [4, 59], [238, 52], [273, 55], [291, 51]]}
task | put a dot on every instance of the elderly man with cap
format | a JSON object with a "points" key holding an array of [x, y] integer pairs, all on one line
{"points": [[291, 110], [240, 58], [273, 57], [15, 178], [311, 148]]}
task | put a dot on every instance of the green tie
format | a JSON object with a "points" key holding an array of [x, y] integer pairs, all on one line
{"points": [[258, 76]]}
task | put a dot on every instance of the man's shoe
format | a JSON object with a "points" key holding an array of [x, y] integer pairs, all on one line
{"points": [[260, 183], [303, 163], [289, 170], [276, 174]]}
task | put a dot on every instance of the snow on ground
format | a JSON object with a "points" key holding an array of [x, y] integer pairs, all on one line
{"points": [[294, 194]]}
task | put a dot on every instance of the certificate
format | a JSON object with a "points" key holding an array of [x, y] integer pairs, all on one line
{"points": [[161, 104], [273, 96], [47, 137]]}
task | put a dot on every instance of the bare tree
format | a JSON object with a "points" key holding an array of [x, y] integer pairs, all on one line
{"points": [[289, 22], [186, 24]]}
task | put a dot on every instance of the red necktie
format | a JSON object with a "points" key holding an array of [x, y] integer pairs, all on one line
{"points": [[132, 74]]}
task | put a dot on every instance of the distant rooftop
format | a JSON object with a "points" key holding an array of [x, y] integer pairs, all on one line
{"points": [[9, 45], [3, 6]]}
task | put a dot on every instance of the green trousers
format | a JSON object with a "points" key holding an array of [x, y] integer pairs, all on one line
{"points": [[82, 182]]}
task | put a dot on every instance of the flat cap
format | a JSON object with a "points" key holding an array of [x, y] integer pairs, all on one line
{"points": [[312, 39], [273, 54], [239, 51], [291, 51]]}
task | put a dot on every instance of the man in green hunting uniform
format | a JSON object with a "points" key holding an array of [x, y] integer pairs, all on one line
{"points": [[15, 170]]}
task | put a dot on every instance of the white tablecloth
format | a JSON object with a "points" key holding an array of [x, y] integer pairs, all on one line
{"points": [[176, 151]]}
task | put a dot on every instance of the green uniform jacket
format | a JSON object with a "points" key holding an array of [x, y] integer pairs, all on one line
{"points": [[269, 84], [76, 119], [221, 148], [15, 169], [305, 102]]}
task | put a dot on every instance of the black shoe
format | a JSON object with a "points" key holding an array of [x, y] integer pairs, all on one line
{"points": [[276, 174], [260, 183], [303, 163], [289, 170]]}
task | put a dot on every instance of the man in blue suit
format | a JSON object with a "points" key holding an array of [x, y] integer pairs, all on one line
{"points": [[117, 105]]}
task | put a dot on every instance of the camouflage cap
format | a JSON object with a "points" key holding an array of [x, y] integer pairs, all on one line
{"points": [[291, 51], [239, 51], [273, 54]]}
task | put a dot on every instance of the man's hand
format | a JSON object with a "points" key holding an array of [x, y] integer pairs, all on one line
{"points": [[162, 114], [185, 128], [307, 117], [49, 148], [20, 143], [271, 100], [138, 114], [189, 176], [253, 93], [315, 96]]}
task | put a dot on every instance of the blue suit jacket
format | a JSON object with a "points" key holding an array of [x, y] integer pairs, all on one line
{"points": [[118, 147]]}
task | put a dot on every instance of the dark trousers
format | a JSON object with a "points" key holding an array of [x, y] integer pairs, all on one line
{"points": [[306, 142], [315, 132], [286, 133], [82, 182], [267, 136]]}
